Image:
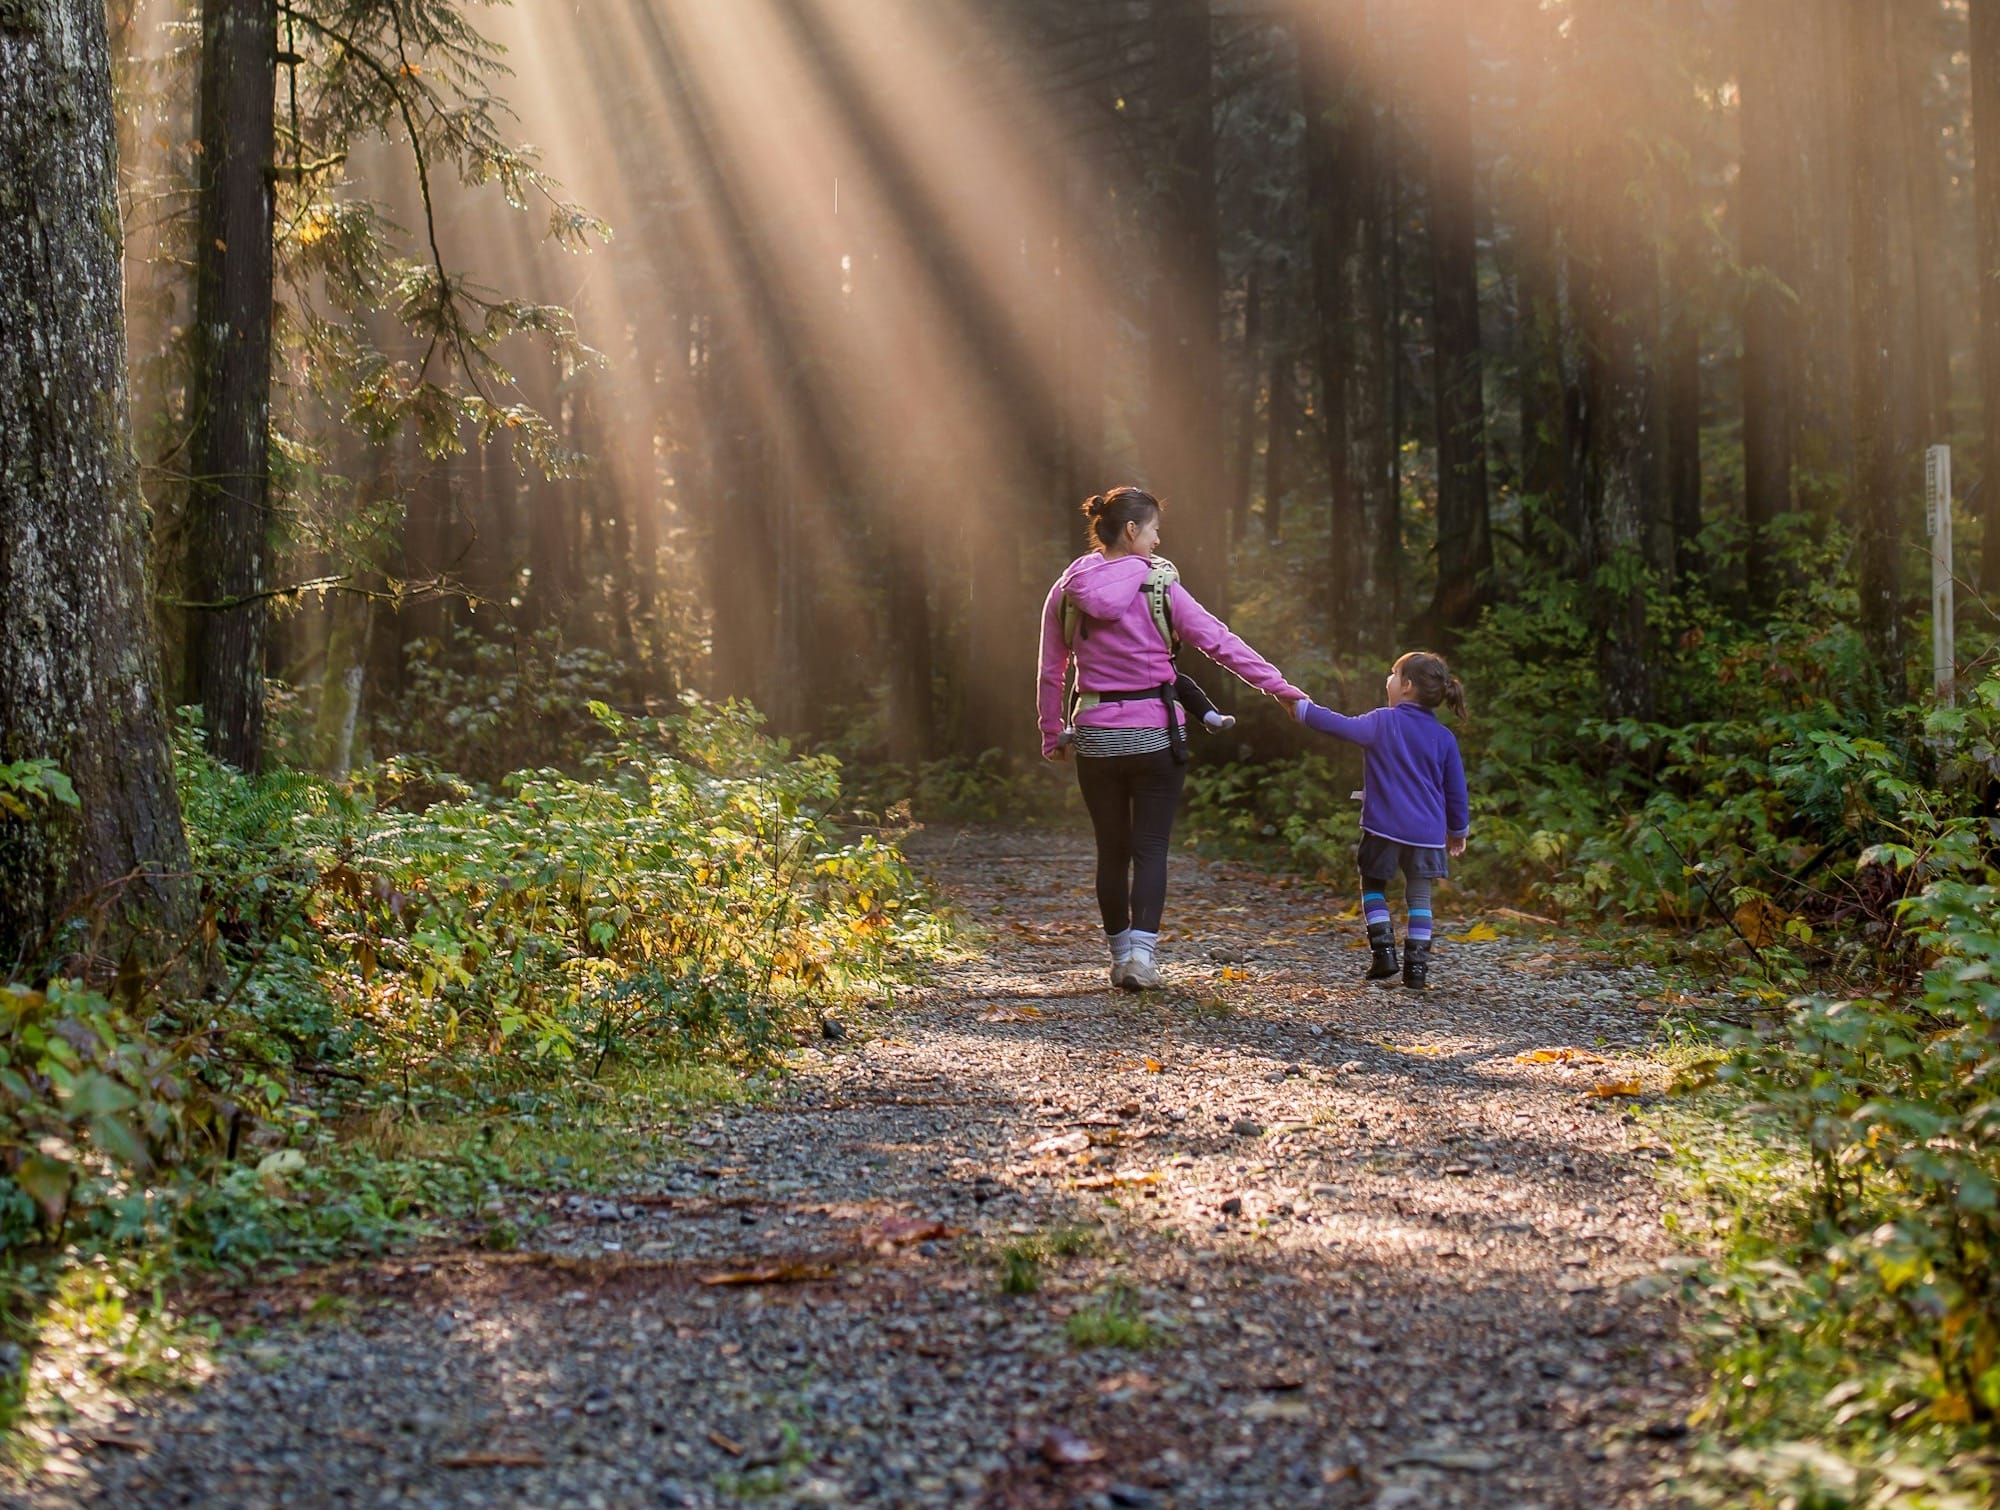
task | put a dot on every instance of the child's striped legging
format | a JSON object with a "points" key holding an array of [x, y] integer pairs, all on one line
{"points": [[1416, 899]]}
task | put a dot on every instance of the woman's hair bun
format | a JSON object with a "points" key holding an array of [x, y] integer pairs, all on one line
{"points": [[1110, 511]]}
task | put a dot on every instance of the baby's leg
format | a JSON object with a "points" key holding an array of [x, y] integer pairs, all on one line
{"points": [[1188, 693]]}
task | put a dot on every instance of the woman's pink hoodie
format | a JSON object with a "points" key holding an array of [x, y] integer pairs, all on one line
{"points": [[1118, 648]]}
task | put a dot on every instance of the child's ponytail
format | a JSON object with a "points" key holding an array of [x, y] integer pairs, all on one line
{"points": [[1454, 695], [1432, 679]]}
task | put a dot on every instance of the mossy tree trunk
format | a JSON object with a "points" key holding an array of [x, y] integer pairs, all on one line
{"points": [[79, 675]]}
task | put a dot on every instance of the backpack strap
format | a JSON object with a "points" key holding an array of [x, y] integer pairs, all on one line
{"points": [[1163, 576]]}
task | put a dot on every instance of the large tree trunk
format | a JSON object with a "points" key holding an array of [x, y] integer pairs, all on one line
{"points": [[1464, 533], [1877, 456], [1183, 451], [1241, 473], [1766, 195], [1537, 282], [1986, 203], [229, 397], [1283, 423], [78, 664], [1614, 471], [1342, 145]]}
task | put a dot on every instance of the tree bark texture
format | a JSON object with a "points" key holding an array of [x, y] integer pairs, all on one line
{"points": [[1283, 420], [229, 398], [1768, 250], [1986, 217], [1537, 280], [1464, 531], [1183, 452], [1342, 143], [79, 674], [1878, 459], [1243, 470], [1613, 454]]}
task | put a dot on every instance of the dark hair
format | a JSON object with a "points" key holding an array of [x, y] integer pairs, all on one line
{"points": [[1433, 680], [1110, 512]]}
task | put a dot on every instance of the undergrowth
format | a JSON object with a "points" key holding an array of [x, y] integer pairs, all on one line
{"points": [[411, 993]]}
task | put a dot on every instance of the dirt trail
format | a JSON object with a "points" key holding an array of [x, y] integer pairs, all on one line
{"points": [[1379, 1258]]}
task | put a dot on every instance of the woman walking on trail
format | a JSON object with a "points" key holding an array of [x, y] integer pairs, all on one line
{"points": [[1119, 615]]}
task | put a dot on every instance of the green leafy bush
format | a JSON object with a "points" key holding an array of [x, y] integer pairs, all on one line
{"points": [[1858, 1300]]}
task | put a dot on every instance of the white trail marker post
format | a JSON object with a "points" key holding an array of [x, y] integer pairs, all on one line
{"points": [[1937, 518]]}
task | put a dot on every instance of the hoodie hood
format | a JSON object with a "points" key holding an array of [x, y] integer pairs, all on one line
{"points": [[1104, 589]]}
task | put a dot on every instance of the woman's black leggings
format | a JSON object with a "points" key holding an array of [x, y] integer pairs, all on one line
{"points": [[1131, 800]]}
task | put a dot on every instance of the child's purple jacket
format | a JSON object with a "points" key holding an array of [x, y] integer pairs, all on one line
{"points": [[1119, 649], [1412, 780]]}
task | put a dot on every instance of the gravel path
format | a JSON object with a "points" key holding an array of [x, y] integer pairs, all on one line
{"points": [[1373, 1257]]}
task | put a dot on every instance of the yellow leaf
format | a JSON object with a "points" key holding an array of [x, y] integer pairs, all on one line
{"points": [[1559, 1056], [1761, 920], [1154, 1067], [1619, 1088], [1478, 933], [1412, 1048], [1952, 1409], [1017, 1013]]}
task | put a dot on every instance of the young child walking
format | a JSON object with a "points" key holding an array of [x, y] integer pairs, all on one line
{"points": [[1414, 810]]}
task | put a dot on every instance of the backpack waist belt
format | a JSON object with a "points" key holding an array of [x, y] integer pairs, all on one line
{"points": [[1176, 737]]}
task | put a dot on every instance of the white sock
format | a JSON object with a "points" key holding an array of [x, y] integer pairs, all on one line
{"points": [[1143, 944], [1217, 720], [1121, 946]]}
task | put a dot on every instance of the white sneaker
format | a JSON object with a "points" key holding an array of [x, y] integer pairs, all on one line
{"points": [[1142, 971], [1118, 969]]}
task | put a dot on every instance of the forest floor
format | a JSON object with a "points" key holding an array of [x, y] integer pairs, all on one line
{"points": [[1284, 1239]]}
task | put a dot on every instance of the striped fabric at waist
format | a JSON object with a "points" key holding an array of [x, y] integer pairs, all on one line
{"points": [[1098, 743]]}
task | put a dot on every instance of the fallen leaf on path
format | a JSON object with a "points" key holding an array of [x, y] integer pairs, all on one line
{"points": [[106, 1439], [909, 1229], [1070, 1142], [1514, 914], [734, 1449], [1065, 1448], [1619, 1088], [528, 1459], [1130, 1382], [1411, 1048], [1559, 1056], [772, 1274], [1445, 1457], [1478, 933], [1154, 1067], [1282, 1408], [1012, 1014]]}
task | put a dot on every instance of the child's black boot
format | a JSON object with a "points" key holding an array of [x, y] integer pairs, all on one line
{"points": [[1417, 964], [1382, 940]]}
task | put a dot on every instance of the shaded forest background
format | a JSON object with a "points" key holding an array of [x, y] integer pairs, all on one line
{"points": [[1408, 312]]}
